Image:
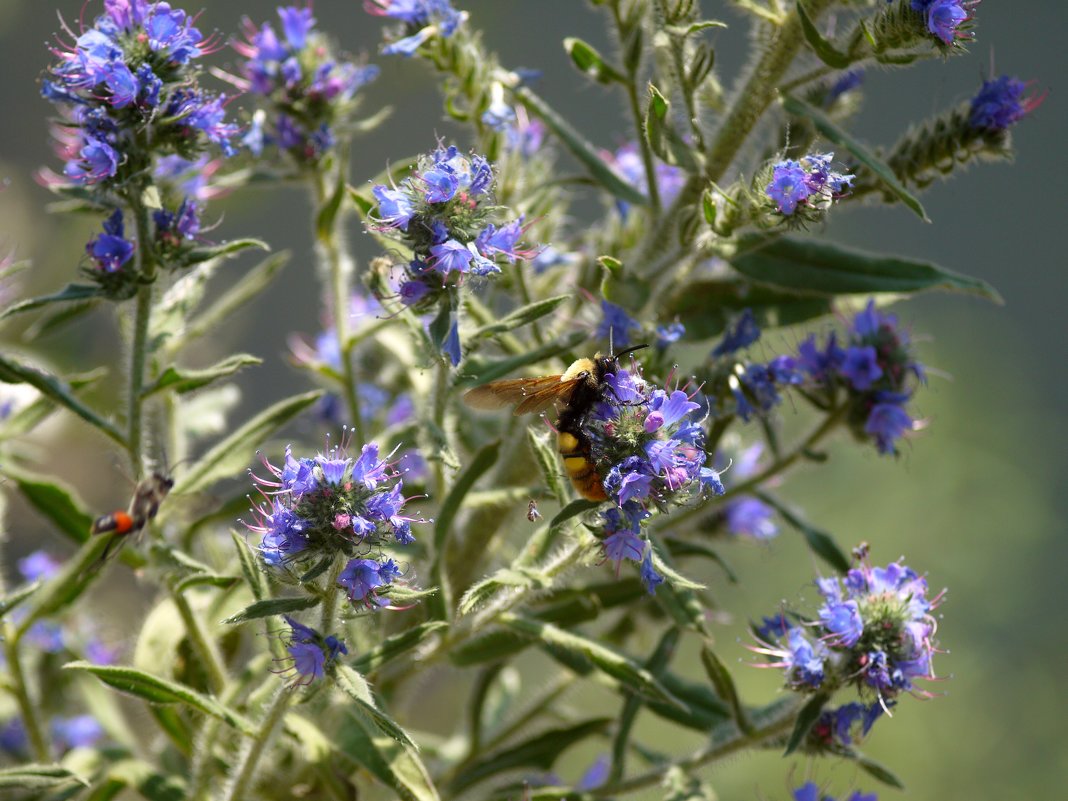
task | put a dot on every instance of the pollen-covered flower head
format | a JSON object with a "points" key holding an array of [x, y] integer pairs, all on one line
{"points": [[311, 655], [333, 505], [307, 89], [422, 20], [805, 188]]}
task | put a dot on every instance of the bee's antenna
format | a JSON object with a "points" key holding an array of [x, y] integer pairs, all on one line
{"points": [[631, 349]]}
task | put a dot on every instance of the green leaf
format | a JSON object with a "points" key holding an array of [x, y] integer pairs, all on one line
{"points": [[580, 148], [356, 687], [38, 777], [824, 124], [662, 136], [574, 509], [590, 62], [249, 286], [724, 683], [207, 580], [233, 454], [156, 690], [819, 542], [141, 777], [186, 380], [397, 767], [876, 770], [56, 501], [522, 316], [545, 456], [327, 215], [198, 255], [396, 646], [826, 51], [574, 649], [823, 268], [706, 308], [271, 607], [15, 372], [480, 371], [808, 715], [539, 751], [71, 293], [483, 461], [16, 597], [252, 572]]}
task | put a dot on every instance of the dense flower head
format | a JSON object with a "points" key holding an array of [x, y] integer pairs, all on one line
{"points": [[877, 371], [810, 791], [1001, 103], [308, 89], [443, 212], [647, 446], [128, 83], [946, 20], [874, 631], [808, 185], [422, 21], [328, 506], [627, 161], [311, 655]]}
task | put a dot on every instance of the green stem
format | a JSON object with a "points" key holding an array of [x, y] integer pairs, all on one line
{"points": [[203, 645], [139, 345], [330, 598], [333, 250], [21, 691], [652, 190], [244, 775], [440, 401]]}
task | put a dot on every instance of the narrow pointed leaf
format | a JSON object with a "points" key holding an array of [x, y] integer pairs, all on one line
{"points": [[818, 267], [234, 453], [396, 766], [183, 380], [824, 124], [706, 308], [157, 690], [820, 542], [271, 607], [522, 316], [396, 646], [580, 148], [55, 389], [539, 751], [877, 771], [198, 255], [71, 293], [548, 464], [724, 683], [808, 715], [254, 575], [38, 778], [826, 51], [356, 687]]}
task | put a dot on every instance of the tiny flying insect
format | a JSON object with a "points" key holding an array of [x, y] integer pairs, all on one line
{"points": [[577, 390], [533, 515], [148, 495]]}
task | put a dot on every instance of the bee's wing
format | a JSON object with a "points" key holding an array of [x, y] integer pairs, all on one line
{"points": [[527, 394]]}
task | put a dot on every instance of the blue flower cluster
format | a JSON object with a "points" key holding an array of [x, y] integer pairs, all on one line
{"points": [[946, 19], [845, 725], [309, 90], [874, 631], [333, 506], [627, 161], [1001, 103], [809, 184], [876, 370], [810, 791], [648, 450], [128, 83], [312, 655], [444, 213], [423, 20]]}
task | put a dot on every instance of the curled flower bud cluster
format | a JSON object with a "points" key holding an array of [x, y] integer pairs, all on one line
{"points": [[423, 20], [311, 655], [444, 213], [1001, 103], [806, 187], [946, 19], [874, 631], [308, 90], [332, 506], [876, 370]]}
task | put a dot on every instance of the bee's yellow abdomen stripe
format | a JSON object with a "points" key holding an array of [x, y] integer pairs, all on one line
{"points": [[567, 443], [578, 466]]}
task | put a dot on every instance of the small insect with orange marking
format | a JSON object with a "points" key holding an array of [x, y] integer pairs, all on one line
{"points": [[577, 390], [148, 495]]}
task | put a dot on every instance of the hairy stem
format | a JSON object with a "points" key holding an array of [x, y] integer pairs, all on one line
{"points": [[245, 773], [652, 190], [139, 343], [204, 646], [330, 598], [21, 691]]}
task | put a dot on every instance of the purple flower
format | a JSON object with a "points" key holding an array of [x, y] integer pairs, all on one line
{"points": [[843, 623], [96, 161], [943, 17], [411, 292], [887, 422], [650, 578], [622, 545], [616, 325], [503, 241], [80, 731], [423, 18], [1001, 103], [751, 517], [742, 332], [312, 654], [788, 186], [803, 660], [861, 367], [669, 334], [395, 207], [39, 565], [361, 579], [451, 346], [450, 256], [110, 250]]}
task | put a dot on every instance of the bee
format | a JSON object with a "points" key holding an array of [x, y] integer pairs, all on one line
{"points": [[577, 390], [148, 495], [533, 515]]}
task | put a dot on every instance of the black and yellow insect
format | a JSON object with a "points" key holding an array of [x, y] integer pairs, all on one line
{"points": [[577, 390]]}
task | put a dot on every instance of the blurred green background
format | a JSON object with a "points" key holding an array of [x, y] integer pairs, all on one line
{"points": [[977, 500]]}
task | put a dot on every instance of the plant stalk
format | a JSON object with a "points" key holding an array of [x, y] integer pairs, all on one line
{"points": [[202, 644], [19, 688], [245, 774]]}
